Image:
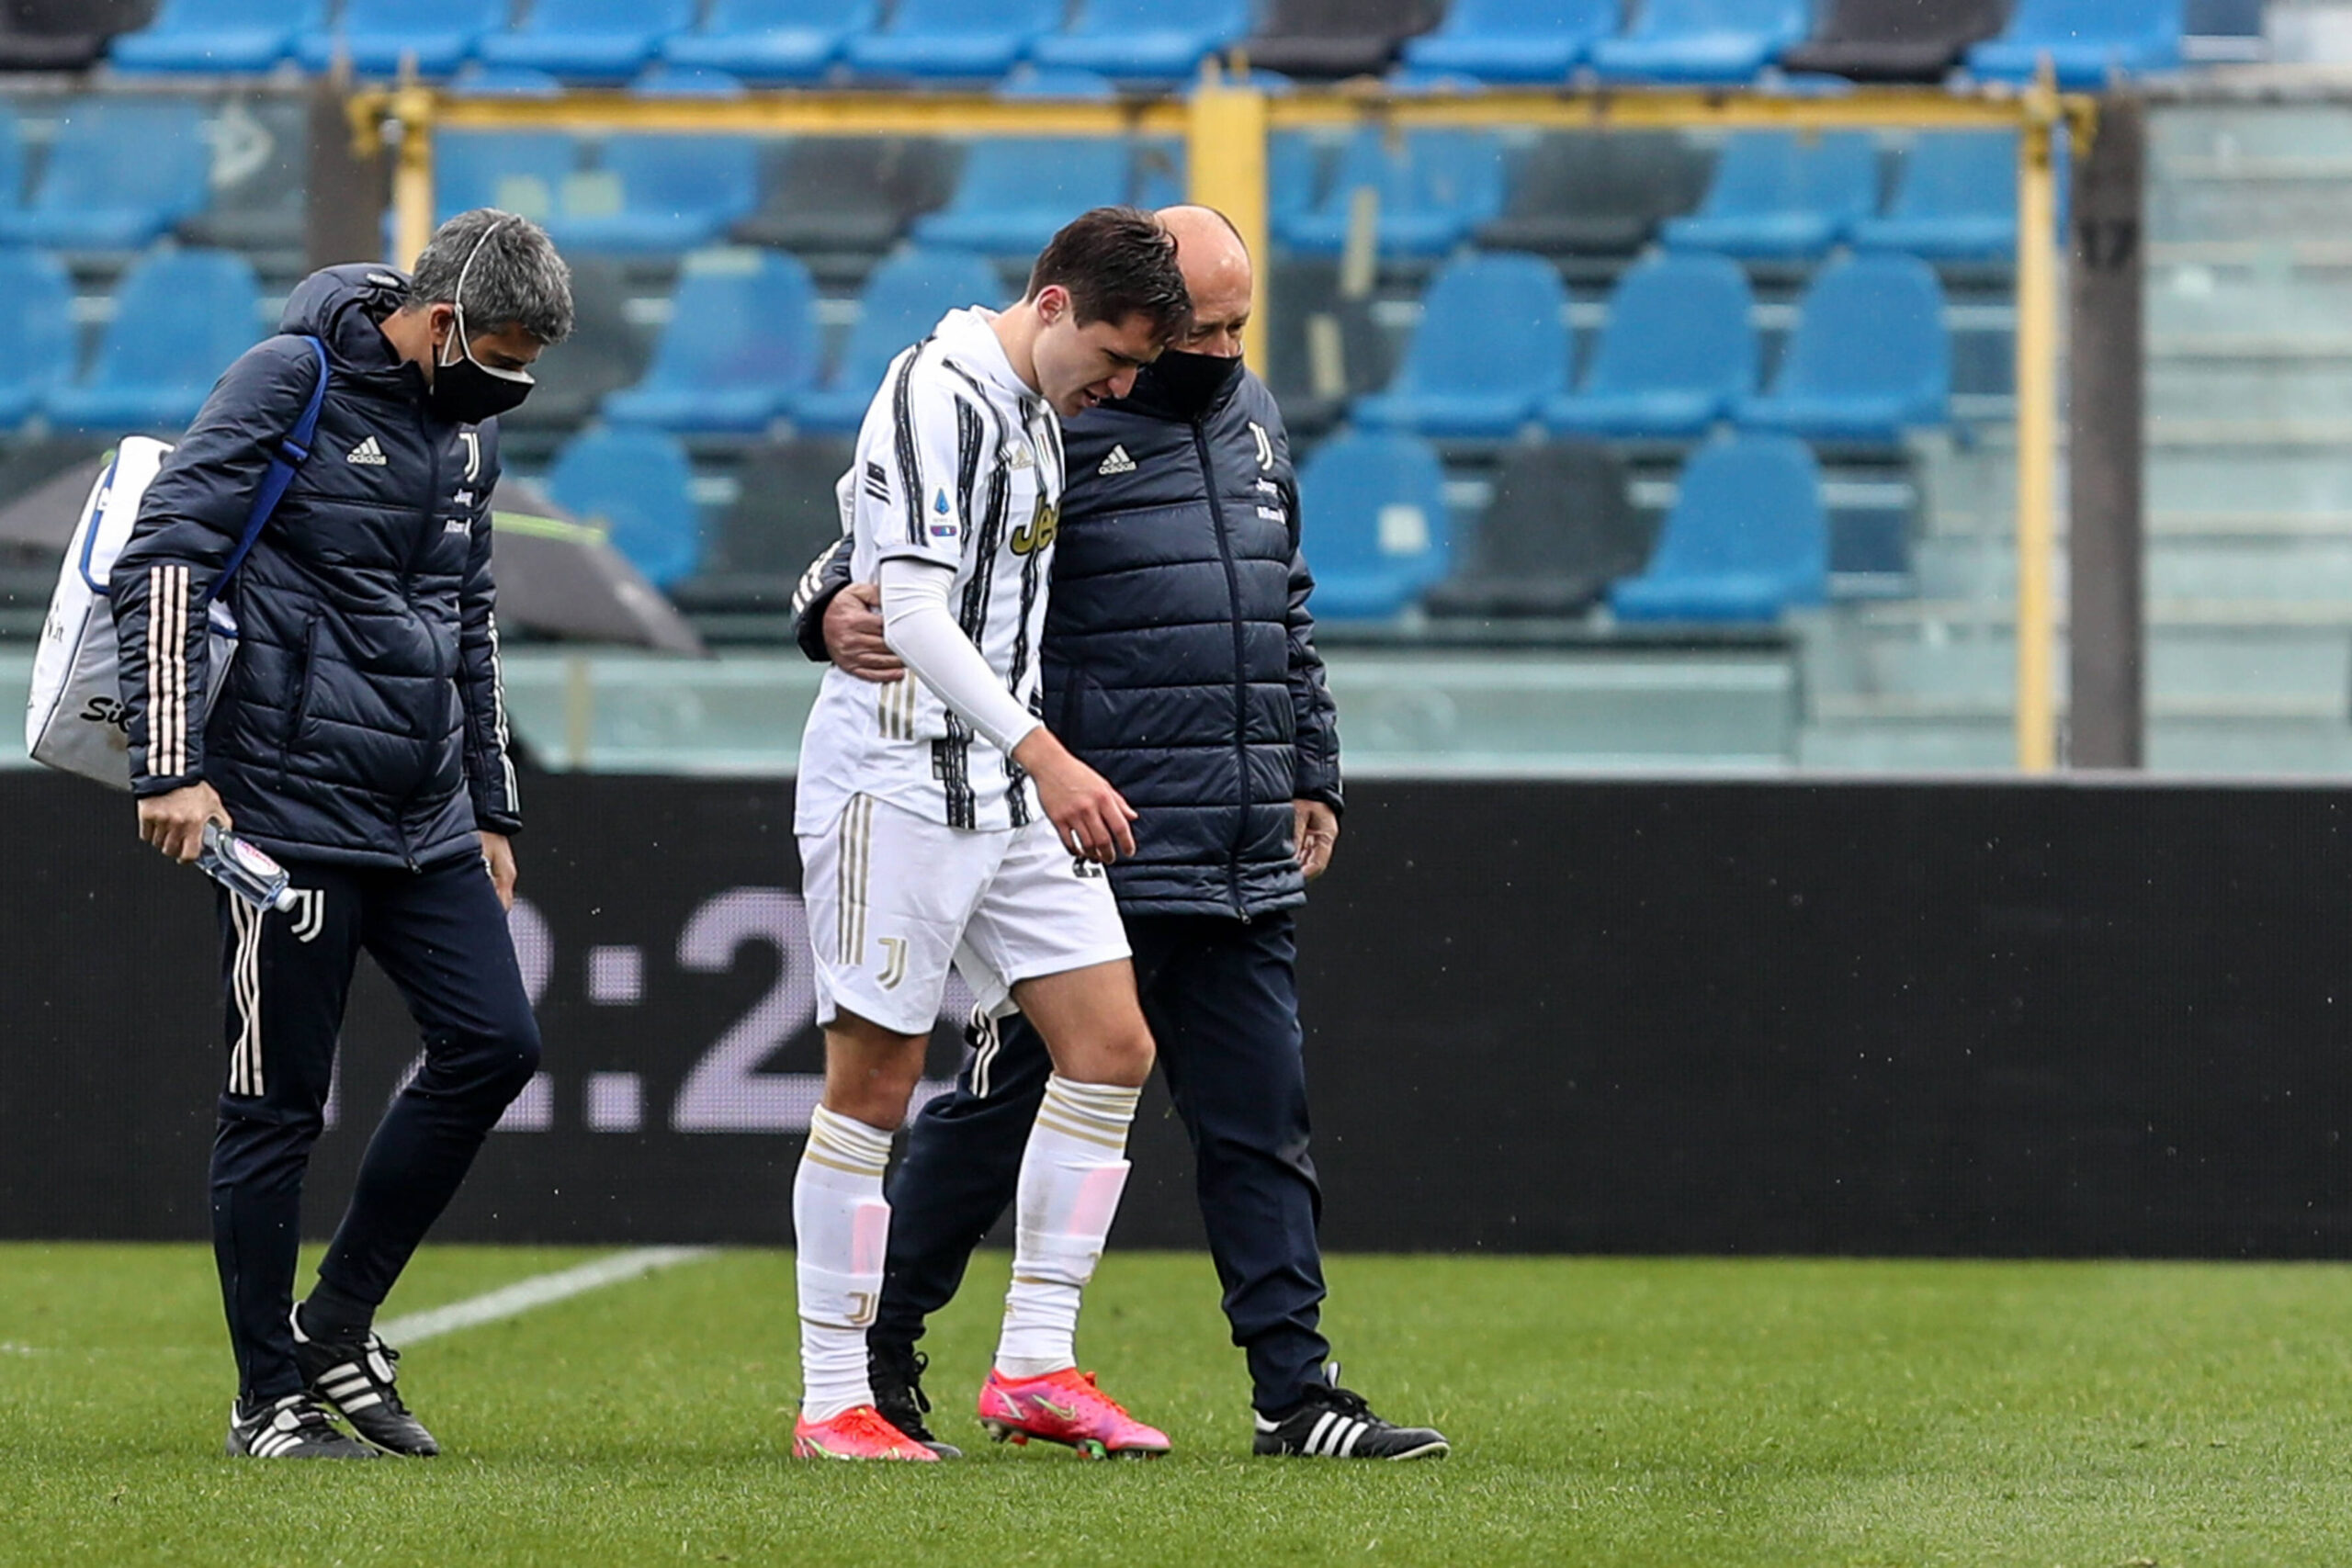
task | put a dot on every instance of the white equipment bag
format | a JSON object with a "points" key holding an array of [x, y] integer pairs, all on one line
{"points": [[76, 721]]}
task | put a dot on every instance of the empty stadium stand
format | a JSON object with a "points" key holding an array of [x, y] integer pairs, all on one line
{"points": [[1870, 357], [1561, 527], [1678, 351], [1894, 41], [1775, 195], [1376, 524], [1746, 540], [1490, 348], [218, 36], [771, 41], [739, 345], [639, 485], [179, 317], [1146, 40], [1701, 41], [1513, 40]]}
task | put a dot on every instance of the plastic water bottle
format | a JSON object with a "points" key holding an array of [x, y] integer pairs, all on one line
{"points": [[244, 870]]}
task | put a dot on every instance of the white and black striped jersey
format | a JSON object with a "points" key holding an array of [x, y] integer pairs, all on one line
{"points": [[958, 463]]}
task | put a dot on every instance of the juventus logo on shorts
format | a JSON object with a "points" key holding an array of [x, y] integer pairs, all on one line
{"points": [[894, 961], [309, 913]]}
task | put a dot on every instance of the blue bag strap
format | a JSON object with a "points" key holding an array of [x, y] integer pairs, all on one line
{"points": [[291, 455]]}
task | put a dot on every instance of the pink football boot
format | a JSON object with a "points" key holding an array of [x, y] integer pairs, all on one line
{"points": [[1065, 1407], [859, 1432]]}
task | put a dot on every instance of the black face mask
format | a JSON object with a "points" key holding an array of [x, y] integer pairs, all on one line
{"points": [[1189, 383], [465, 391]]}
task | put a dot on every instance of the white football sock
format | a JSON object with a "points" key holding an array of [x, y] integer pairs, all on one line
{"points": [[841, 1226], [1071, 1174]]}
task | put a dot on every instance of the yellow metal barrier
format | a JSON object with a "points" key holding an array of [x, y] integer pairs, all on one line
{"points": [[1224, 125]]}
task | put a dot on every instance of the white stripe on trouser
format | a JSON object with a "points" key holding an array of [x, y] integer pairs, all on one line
{"points": [[244, 989]]}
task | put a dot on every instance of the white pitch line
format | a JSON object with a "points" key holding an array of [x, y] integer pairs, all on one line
{"points": [[540, 1290]]}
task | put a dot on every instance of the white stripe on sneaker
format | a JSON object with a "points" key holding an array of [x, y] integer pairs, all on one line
{"points": [[1322, 1425]]}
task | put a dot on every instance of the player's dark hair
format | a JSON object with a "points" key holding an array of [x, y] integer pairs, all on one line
{"points": [[1117, 262]]}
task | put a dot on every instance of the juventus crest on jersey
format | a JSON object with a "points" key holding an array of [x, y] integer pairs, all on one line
{"points": [[960, 464]]}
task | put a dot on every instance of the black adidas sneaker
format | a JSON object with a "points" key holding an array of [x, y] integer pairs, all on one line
{"points": [[895, 1374], [355, 1376], [1332, 1422], [295, 1426]]}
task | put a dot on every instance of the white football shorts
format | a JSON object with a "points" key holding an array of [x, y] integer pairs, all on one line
{"points": [[894, 898]]}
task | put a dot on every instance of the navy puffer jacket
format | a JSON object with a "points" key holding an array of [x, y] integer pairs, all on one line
{"points": [[362, 722], [1179, 654]]}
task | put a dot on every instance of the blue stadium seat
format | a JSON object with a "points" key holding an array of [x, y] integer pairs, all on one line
{"points": [[669, 81], [1375, 524], [37, 350], [1057, 83], [740, 345], [657, 193], [953, 38], [1491, 346], [522, 171], [1701, 40], [1513, 40], [1747, 538], [1156, 40], [639, 484], [1957, 200], [1679, 345], [1869, 358], [773, 40], [122, 171], [376, 35], [1017, 191], [1434, 189], [180, 317], [2087, 41], [1775, 195], [217, 36], [588, 40], [903, 300], [506, 82]]}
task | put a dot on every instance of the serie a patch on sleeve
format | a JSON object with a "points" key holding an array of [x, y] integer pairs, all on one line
{"points": [[943, 525]]}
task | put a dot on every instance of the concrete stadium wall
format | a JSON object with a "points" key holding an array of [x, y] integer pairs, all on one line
{"points": [[1984, 1018]]}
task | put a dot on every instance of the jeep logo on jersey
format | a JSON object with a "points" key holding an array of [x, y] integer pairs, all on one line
{"points": [[1265, 445]]}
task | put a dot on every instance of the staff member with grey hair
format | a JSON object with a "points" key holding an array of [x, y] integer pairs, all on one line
{"points": [[361, 738]]}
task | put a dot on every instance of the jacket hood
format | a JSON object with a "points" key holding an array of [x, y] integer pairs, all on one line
{"points": [[340, 305]]}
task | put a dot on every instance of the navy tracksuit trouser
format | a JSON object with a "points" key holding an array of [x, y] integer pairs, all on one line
{"points": [[440, 935], [1222, 999]]}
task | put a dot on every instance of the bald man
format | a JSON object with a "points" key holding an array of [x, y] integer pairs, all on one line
{"points": [[1179, 662]]}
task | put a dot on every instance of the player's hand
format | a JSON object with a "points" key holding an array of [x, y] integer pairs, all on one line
{"points": [[498, 855], [854, 634], [174, 823], [1314, 834], [1090, 816]]}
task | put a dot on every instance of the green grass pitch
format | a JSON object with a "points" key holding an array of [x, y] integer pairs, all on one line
{"points": [[1619, 1413]]}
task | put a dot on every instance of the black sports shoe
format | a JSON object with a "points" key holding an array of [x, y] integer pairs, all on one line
{"points": [[295, 1426], [355, 1376], [1332, 1422], [895, 1374]]}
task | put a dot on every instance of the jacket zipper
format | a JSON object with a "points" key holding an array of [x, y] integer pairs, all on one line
{"points": [[1240, 673], [408, 571]]}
